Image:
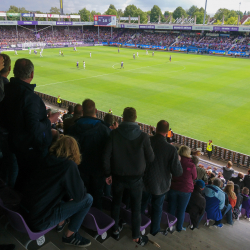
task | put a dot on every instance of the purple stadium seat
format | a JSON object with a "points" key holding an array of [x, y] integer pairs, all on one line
{"points": [[98, 221], [19, 224], [127, 214]]}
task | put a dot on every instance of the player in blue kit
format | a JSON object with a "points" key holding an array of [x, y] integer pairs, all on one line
{"points": [[77, 64], [170, 58], [122, 67]]}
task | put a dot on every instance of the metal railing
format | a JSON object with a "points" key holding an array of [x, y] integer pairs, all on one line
{"points": [[219, 153]]}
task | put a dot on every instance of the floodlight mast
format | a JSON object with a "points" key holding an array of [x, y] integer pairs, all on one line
{"points": [[205, 13], [61, 7]]}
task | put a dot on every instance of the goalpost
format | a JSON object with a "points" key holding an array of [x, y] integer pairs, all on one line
{"points": [[33, 45]]}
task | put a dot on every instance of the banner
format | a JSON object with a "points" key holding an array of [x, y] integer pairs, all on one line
{"points": [[8, 22], [202, 28], [46, 22], [41, 15], [64, 16], [129, 26], [82, 23], [64, 23], [246, 29], [220, 28], [27, 15], [164, 27], [27, 23], [212, 34], [182, 27], [75, 16], [14, 14], [2, 14], [53, 15], [147, 27], [178, 48]]}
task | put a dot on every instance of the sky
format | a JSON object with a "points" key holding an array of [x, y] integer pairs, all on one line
{"points": [[73, 6]]}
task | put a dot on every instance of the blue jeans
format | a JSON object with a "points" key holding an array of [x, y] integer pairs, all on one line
{"points": [[178, 204], [157, 204], [76, 211], [227, 210]]}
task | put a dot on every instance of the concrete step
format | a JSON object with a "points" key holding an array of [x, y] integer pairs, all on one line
{"points": [[164, 244], [113, 244], [172, 241], [129, 243], [49, 246]]}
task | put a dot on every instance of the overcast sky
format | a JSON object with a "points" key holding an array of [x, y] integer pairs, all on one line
{"points": [[71, 6]]}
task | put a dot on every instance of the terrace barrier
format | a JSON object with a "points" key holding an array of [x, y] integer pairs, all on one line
{"points": [[219, 153]]}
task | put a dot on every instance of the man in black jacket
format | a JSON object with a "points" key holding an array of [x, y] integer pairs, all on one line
{"points": [[1, 79], [23, 114], [158, 174], [246, 180], [92, 135], [125, 157], [238, 180], [197, 204]]}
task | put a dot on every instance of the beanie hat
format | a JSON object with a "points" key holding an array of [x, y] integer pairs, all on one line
{"points": [[200, 183]]}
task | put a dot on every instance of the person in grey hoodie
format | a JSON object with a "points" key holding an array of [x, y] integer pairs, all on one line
{"points": [[125, 156]]}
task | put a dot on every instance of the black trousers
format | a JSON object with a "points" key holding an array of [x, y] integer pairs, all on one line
{"points": [[95, 187], [134, 187], [209, 154]]}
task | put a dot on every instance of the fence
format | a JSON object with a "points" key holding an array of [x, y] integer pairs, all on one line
{"points": [[219, 153]]}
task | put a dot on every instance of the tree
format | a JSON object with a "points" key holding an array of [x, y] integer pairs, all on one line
{"points": [[247, 23], [120, 12], [227, 14], [111, 6], [167, 13], [130, 10], [199, 17], [232, 20], [111, 12], [155, 13], [192, 10], [54, 10], [179, 12], [84, 13], [13, 9]]}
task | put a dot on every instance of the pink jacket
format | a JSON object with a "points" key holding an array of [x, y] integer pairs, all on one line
{"points": [[185, 182]]}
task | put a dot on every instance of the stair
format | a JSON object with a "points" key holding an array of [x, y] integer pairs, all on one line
{"points": [[49, 246]]}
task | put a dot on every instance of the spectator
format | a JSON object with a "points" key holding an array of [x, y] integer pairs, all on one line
{"points": [[211, 177], [57, 177], [238, 180], [215, 202], [246, 201], [182, 187], [92, 135], [237, 208], [215, 171], [110, 119], [170, 135], [228, 171], [125, 158], [70, 113], [71, 121], [197, 204], [23, 114], [158, 174], [246, 180], [201, 172], [1, 79], [209, 149], [59, 101], [7, 68], [229, 190], [55, 136]]}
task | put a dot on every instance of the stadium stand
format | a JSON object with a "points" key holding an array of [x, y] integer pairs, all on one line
{"points": [[53, 189]]}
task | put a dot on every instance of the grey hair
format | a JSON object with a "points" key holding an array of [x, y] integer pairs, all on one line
{"points": [[217, 182], [23, 68]]}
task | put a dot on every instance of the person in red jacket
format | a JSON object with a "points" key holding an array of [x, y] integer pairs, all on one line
{"points": [[182, 187]]}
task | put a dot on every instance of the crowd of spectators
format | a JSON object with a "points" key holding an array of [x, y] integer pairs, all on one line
{"points": [[61, 163]]}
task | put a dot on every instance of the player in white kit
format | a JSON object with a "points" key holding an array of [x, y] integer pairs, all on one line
{"points": [[30, 51], [41, 54], [90, 54], [83, 64], [16, 53], [60, 52], [137, 53], [146, 52]]}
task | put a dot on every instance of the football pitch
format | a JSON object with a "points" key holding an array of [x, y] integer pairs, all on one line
{"points": [[201, 96]]}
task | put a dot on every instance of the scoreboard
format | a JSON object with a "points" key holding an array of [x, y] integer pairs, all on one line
{"points": [[104, 20]]}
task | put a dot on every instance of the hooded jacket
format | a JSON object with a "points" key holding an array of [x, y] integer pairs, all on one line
{"points": [[185, 182], [238, 195], [196, 206], [158, 174], [23, 114], [246, 181], [92, 135], [127, 151], [228, 173], [246, 204], [48, 184], [237, 181], [215, 202]]}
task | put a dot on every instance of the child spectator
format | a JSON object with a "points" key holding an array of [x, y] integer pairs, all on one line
{"points": [[229, 190], [246, 201]]}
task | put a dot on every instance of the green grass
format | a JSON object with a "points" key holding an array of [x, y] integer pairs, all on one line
{"points": [[203, 97]]}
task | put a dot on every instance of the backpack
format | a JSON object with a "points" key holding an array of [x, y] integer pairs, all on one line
{"points": [[236, 213], [10, 198]]}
